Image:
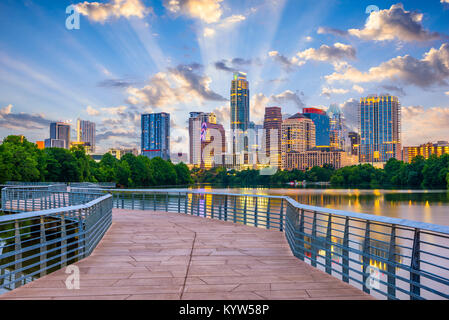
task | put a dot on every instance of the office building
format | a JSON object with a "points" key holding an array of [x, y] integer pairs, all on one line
{"points": [[239, 102], [380, 129], [426, 150], [59, 131], [207, 140], [298, 135], [318, 157], [85, 132], [322, 125], [336, 128], [40, 144], [273, 121], [155, 139], [55, 143], [354, 138], [118, 153]]}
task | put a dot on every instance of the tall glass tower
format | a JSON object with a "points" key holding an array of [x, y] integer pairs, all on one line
{"points": [[322, 125], [380, 129], [85, 132], [239, 102], [156, 135]]}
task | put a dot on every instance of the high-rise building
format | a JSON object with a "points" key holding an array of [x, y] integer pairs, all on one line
{"points": [[380, 129], [59, 131], [322, 125], [239, 102], [336, 130], [354, 137], [203, 131], [273, 121], [298, 135], [155, 140], [426, 150], [85, 132], [239, 120], [196, 120]]}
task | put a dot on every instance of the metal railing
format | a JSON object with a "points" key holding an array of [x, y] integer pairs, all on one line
{"points": [[36, 243], [386, 257], [22, 199]]}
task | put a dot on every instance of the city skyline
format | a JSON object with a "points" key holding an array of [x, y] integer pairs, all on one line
{"points": [[152, 59]]}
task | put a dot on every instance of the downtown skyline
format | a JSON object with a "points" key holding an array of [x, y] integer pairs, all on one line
{"points": [[141, 57]]}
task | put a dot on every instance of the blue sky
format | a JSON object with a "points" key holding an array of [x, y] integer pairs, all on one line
{"points": [[138, 56]]}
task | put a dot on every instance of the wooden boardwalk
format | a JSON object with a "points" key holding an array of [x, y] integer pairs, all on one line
{"points": [[155, 255]]}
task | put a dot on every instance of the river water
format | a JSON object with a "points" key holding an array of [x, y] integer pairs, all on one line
{"points": [[430, 206]]}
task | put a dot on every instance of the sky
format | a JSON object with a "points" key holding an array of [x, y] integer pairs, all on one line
{"points": [[130, 57]]}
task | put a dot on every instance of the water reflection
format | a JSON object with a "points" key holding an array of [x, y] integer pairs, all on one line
{"points": [[419, 205]]}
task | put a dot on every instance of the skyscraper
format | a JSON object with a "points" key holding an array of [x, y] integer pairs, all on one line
{"points": [[273, 121], [322, 125], [85, 132], [239, 119], [298, 135], [354, 137], [203, 130], [156, 135], [380, 128], [239, 102], [336, 130], [59, 135]]}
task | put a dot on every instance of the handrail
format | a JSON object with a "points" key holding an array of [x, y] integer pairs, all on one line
{"points": [[387, 257]]}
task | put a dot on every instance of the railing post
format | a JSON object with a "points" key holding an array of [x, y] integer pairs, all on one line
{"points": [[17, 249], [43, 249], [143, 201], [346, 251], [366, 256], [415, 278], [244, 211], [301, 235], [235, 209], [191, 206], [281, 224], [205, 206], [166, 202], [186, 203], [198, 205], [268, 213], [63, 242], [212, 207], [313, 241], [226, 208], [81, 234], [179, 202], [132, 201], [255, 211], [391, 267], [329, 246], [154, 202]]}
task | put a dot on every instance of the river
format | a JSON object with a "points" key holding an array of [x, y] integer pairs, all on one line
{"points": [[430, 206]]}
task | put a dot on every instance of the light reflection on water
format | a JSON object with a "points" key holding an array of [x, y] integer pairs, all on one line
{"points": [[431, 206]]}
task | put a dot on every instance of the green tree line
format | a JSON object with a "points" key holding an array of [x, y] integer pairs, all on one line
{"points": [[432, 173], [251, 177], [21, 160]]}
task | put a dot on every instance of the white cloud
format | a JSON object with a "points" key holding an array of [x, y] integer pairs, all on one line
{"points": [[92, 112], [327, 92], [208, 11], [337, 52], [421, 125], [390, 24], [100, 12], [432, 69], [208, 32], [358, 89]]}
